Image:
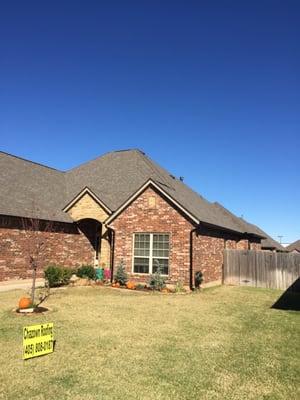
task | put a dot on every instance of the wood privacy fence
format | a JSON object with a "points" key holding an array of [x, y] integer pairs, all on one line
{"points": [[261, 268]]}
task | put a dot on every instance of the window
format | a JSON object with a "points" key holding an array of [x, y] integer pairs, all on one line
{"points": [[150, 251]]}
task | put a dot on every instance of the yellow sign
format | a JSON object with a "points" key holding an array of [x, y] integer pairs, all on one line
{"points": [[38, 340]]}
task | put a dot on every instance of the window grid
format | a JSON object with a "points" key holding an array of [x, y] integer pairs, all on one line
{"points": [[149, 248]]}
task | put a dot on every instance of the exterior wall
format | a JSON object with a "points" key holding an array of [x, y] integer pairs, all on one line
{"points": [[255, 246], [208, 257], [242, 244], [87, 207], [104, 259], [208, 248], [150, 213], [64, 246]]}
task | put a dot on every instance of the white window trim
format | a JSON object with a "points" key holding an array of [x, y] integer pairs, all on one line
{"points": [[150, 257]]}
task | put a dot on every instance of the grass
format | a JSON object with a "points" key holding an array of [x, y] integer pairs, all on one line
{"points": [[222, 343]]}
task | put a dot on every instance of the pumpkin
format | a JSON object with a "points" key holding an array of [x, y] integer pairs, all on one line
{"points": [[130, 285], [24, 302], [117, 284], [164, 290], [113, 284]]}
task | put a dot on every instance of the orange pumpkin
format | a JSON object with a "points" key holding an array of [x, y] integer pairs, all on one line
{"points": [[117, 284], [130, 285], [165, 290], [24, 302]]}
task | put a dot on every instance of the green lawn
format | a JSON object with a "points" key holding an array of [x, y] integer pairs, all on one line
{"points": [[222, 343]]}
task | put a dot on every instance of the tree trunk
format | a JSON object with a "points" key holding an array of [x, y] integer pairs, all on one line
{"points": [[34, 269]]}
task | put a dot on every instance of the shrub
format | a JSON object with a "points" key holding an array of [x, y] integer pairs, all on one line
{"points": [[140, 286], [179, 287], [121, 274], [156, 281], [86, 271], [67, 273], [198, 279], [57, 276], [54, 275]]}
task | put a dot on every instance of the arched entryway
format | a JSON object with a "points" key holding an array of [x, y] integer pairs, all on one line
{"points": [[100, 238]]}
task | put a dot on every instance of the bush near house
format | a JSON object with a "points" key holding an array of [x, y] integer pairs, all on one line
{"points": [[86, 271], [121, 274], [59, 276]]}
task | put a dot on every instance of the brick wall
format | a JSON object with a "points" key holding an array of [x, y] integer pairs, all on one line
{"points": [[150, 213], [208, 256], [64, 246], [208, 247]]}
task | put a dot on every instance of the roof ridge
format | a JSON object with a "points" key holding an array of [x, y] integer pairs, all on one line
{"points": [[101, 156]]}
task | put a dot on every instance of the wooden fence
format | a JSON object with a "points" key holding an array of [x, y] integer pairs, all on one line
{"points": [[261, 268]]}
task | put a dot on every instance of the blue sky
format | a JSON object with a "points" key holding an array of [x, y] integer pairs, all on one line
{"points": [[208, 89]]}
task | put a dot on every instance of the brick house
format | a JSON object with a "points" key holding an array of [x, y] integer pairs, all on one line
{"points": [[121, 205]]}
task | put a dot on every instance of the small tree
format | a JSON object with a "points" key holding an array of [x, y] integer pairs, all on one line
{"points": [[121, 274], [35, 230], [156, 281]]}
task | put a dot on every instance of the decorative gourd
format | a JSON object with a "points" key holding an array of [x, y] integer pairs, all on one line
{"points": [[130, 285], [24, 302]]}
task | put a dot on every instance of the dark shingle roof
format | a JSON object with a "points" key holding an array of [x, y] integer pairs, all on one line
{"points": [[113, 178], [294, 246], [28, 188]]}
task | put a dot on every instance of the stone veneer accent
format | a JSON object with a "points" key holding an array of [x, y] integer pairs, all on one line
{"points": [[87, 208]]}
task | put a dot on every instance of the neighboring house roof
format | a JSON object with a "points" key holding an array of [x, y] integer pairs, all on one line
{"points": [[113, 179], [294, 246], [271, 244]]}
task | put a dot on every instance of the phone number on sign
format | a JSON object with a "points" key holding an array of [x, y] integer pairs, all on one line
{"points": [[39, 347]]}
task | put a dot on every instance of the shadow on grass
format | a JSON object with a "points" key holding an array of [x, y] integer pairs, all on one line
{"points": [[290, 300]]}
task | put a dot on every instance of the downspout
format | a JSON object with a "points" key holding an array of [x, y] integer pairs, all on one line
{"points": [[191, 259], [112, 253]]}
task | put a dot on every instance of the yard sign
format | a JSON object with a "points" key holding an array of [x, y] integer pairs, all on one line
{"points": [[38, 340]]}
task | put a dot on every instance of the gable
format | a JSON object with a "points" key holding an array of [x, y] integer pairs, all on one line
{"points": [[151, 202], [87, 205]]}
